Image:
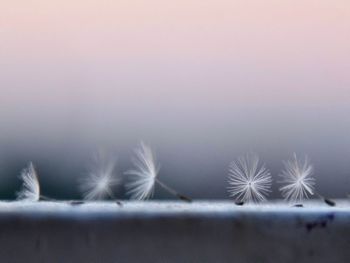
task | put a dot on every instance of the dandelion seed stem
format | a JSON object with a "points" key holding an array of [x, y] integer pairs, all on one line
{"points": [[239, 203], [173, 192], [43, 197], [326, 200], [112, 196], [298, 205], [76, 202]]}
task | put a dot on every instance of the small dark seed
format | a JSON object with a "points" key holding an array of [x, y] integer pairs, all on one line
{"points": [[298, 205], [184, 198], [329, 202], [76, 202]]}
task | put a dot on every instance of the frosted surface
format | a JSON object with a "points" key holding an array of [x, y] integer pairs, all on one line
{"points": [[170, 207]]}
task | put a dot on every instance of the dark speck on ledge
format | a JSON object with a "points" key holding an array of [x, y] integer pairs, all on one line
{"points": [[76, 202]]}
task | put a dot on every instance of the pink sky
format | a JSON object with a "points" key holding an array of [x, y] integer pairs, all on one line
{"points": [[200, 80], [93, 60]]}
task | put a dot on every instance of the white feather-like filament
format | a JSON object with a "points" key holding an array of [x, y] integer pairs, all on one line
{"points": [[30, 188], [144, 175], [100, 179], [297, 179], [248, 181]]}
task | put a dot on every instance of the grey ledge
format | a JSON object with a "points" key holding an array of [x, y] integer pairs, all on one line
{"points": [[215, 231]]}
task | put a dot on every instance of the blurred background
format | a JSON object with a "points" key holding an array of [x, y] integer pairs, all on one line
{"points": [[201, 81]]}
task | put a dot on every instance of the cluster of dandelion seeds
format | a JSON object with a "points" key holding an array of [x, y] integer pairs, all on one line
{"points": [[249, 181]]}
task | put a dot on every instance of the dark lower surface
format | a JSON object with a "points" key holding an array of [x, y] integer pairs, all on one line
{"points": [[171, 232]]}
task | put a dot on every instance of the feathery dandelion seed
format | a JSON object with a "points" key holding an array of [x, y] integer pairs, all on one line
{"points": [[297, 179], [249, 181], [30, 188], [100, 179], [145, 175]]}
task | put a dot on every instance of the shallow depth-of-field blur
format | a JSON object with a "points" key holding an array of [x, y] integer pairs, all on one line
{"points": [[202, 82]]}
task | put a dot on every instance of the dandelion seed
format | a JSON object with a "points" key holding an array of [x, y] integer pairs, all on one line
{"points": [[329, 202], [239, 203], [145, 175], [76, 202], [326, 200], [100, 179], [248, 180], [297, 179], [30, 188], [298, 205]]}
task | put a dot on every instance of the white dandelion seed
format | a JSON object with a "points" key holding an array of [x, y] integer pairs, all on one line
{"points": [[100, 178], [145, 175], [297, 179], [30, 188], [248, 180]]}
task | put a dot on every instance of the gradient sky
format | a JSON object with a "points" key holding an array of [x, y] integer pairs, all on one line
{"points": [[201, 81]]}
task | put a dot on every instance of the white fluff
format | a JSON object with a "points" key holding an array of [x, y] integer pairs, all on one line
{"points": [[249, 181], [100, 179], [297, 179], [144, 176], [30, 188]]}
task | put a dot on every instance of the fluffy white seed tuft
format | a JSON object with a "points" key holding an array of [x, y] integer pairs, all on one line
{"points": [[100, 178], [248, 180], [297, 179], [144, 176], [30, 188]]}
